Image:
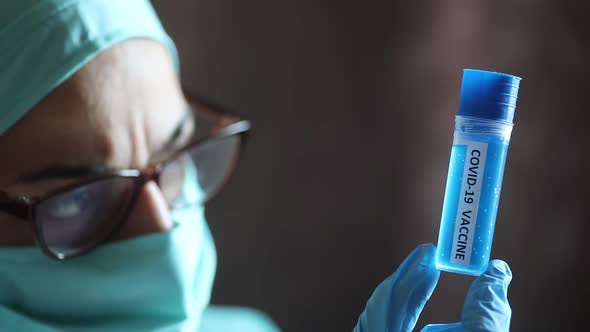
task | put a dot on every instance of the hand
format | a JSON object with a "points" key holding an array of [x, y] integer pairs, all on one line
{"points": [[397, 302]]}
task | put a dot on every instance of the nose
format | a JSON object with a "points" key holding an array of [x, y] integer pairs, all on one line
{"points": [[149, 215]]}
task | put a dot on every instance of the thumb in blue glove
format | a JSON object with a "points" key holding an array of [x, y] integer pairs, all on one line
{"points": [[486, 307], [397, 302]]}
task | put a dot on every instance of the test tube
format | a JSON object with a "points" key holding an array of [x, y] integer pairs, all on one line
{"points": [[483, 126]]}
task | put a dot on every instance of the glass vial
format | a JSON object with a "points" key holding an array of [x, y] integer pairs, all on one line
{"points": [[482, 133]]}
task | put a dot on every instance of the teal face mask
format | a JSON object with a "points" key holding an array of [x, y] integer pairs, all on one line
{"points": [[159, 282]]}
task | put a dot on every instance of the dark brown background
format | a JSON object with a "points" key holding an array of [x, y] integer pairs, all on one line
{"points": [[353, 106]]}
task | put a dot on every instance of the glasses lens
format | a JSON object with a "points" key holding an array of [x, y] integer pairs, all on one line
{"points": [[172, 179], [214, 161], [79, 219]]}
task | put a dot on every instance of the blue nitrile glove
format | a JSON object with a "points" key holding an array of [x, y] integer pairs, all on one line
{"points": [[486, 307], [397, 302]]}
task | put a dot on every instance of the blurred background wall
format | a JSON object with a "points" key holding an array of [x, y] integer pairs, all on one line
{"points": [[353, 108]]}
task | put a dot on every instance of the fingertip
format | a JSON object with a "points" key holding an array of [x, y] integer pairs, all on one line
{"points": [[419, 264], [499, 269], [414, 283], [442, 327], [427, 250], [430, 247], [486, 307], [426, 255], [427, 246]]}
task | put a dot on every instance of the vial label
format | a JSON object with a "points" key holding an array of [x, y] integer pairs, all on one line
{"points": [[471, 184]]}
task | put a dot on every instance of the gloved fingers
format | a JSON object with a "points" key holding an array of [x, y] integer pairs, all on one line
{"points": [[486, 307], [454, 327], [411, 286], [397, 302]]}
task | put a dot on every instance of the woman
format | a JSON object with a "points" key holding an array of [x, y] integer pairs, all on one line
{"points": [[106, 167]]}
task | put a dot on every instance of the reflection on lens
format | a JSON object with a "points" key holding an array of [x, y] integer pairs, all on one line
{"points": [[215, 161], [172, 179], [78, 219]]}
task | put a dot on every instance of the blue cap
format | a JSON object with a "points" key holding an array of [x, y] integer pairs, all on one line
{"points": [[488, 95]]}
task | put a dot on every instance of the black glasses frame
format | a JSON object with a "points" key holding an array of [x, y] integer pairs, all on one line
{"points": [[25, 207]]}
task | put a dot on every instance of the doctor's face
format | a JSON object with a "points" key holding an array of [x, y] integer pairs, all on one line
{"points": [[122, 110]]}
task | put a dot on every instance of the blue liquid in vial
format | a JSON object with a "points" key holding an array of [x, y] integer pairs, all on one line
{"points": [[483, 232]]}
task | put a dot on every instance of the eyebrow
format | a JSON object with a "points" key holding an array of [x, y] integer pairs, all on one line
{"points": [[61, 171], [64, 171]]}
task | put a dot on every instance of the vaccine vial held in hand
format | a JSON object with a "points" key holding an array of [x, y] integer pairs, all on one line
{"points": [[483, 126]]}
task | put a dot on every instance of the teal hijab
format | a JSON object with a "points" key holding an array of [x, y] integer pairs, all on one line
{"points": [[44, 42]]}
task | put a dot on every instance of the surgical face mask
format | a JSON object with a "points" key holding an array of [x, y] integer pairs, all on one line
{"points": [[160, 282]]}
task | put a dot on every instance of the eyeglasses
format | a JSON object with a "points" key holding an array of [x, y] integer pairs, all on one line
{"points": [[76, 218]]}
